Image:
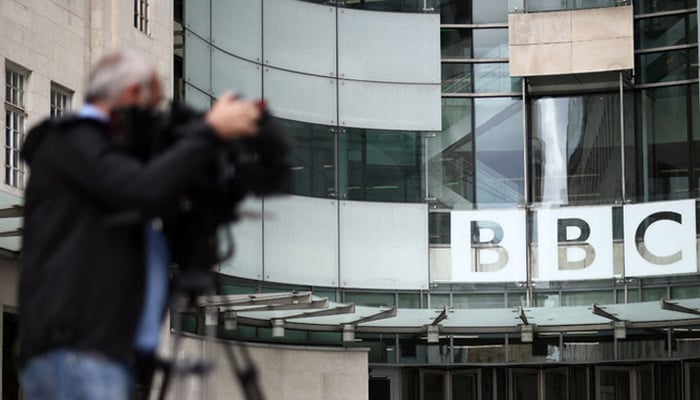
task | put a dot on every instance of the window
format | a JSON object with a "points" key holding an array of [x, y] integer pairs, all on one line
{"points": [[60, 100], [141, 12], [15, 124]]}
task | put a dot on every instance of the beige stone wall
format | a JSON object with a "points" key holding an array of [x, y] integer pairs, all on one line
{"points": [[570, 42], [285, 372]]}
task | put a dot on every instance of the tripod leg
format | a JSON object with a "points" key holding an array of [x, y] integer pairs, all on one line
{"points": [[247, 374]]}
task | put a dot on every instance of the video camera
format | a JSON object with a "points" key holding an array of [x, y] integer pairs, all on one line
{"points": [[256, 165]]}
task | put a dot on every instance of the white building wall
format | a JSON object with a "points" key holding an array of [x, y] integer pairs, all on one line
{"points": [[285, 372]]}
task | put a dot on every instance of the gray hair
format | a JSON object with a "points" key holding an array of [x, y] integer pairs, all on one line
{"points": [[115, 72]]}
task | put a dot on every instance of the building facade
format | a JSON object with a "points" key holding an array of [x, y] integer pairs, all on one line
{"points": [[532, 237], [46, 50]]}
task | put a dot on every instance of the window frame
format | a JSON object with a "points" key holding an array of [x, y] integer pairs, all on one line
{"points": [[16, 116]]}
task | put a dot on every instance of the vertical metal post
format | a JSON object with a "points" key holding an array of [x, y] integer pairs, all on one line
{"points": [[526, 198], [622, 140]]}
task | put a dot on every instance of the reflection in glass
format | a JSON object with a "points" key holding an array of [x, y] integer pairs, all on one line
{"points": [[413, 6], [433, 386], [450, 163], [587, 298], [490, 11], [311, 159], [491, 43], [652, 6], [575, 149], [555, 384], [380, 165], [439, 228], [465, 386], [499, 151], [495, 78], [665, 142], [478, 300], [525, 385], [455, 11], [664, 66], [662, 31], [614, 385], [456, 43], [456, 78]]}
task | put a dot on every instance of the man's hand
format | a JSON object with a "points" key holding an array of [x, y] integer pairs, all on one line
{"points": [[232, 117]]}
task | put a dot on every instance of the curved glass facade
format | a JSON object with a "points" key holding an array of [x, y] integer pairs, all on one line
{"points": [[506, 143]]}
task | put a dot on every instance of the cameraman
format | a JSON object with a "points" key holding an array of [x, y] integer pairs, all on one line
{"points": [[83, 282]]}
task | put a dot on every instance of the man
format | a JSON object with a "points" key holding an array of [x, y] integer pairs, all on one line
{"points": [[83, 274]]}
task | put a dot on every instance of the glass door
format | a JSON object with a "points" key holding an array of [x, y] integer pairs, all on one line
{"points": [[614, 383], [432, 385], [465, 385], [524, 384]]}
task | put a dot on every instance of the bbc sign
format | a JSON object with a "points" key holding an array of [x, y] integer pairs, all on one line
{"points": [[573, 243]]}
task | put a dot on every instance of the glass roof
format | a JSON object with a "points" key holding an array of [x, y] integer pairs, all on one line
{"points": [[331, 316]]}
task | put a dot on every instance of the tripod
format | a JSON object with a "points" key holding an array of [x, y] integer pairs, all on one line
{"points": [[188, 286]]}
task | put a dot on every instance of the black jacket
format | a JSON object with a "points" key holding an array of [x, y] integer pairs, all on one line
{"points": [[82, 270]]}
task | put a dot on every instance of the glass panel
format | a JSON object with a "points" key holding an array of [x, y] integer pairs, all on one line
{"points": [[652, 6], [382, 348], [661, 31], [547, 299], [669, 381], [296, 36], [433, 386], [468, 350], [555, 384], [330, 294], [525, 385], [578, 383], [499, 151], [455, 11], [456, 43], [384, 47], [197, 62], [380, 165], [465, 387], [632, 296], [665, 142], [575, 149], [450, 164], [312, 159], [614, 385], [495, 78], [413, 6], [439, 300], [695, 122], [478, 300], [654, 294], [370, 299], [490, 11], [439, 228], [456, 78], [694, 381], [516, 299], [664, 66], [587, 298], [491, 43], [409, 300], [547, 5], [233, 20], [685, 292]]}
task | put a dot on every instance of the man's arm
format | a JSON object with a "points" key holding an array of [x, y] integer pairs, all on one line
{"points": [[89, 161]]}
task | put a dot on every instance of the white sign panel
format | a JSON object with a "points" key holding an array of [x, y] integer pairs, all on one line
{"points": [[488, 246], [660, 238], [574, 243]]}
